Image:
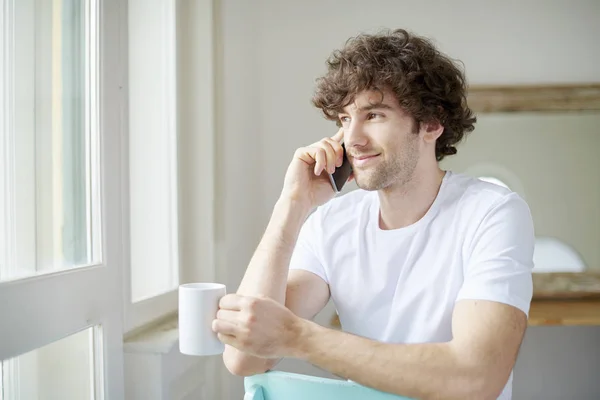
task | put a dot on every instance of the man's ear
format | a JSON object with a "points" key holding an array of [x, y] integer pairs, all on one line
{"points": [[431, 131]]}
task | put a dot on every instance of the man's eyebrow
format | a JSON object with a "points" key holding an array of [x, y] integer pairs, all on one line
{"points": [[370, 107]]}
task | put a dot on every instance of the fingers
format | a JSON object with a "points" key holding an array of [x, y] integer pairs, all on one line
{"points": [[337, 155], [224, 327], [320, 157], [228, 315], [226, 339], [339, 135], [329, 155], [235, 302], [231, 302], [326, 154], [333, 153]]}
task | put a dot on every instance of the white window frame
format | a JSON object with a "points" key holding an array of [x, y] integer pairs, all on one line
{"points": [[46, 308], [22, 204], [103, 292]]}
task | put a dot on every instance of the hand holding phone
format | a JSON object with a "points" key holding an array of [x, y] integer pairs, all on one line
{"points": [[308, 178]]}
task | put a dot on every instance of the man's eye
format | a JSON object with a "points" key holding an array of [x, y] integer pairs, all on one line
{"points": [[373, 115], [344, 119]]}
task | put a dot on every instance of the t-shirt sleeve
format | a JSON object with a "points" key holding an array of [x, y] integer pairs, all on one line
{"points": [[306, 253], [499, 267]]}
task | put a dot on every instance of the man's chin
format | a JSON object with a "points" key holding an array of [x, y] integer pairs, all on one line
{"points": [[366, 184]]}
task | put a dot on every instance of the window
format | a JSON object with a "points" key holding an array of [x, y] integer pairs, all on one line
{"points": [[169, 196], [60, 370], [153, 275], [60, 199], [90, 148], [48, 150]]}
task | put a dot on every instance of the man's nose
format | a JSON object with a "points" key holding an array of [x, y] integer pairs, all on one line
{"points": [[355, 135]]}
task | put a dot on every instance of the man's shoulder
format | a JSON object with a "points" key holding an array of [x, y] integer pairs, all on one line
{"points": [[475, 199], [472, 192]]}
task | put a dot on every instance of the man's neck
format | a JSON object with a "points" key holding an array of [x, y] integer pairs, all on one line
{"points": [[403, 205]]}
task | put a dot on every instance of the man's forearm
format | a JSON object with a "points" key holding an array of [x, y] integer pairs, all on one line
{"points": [[267, 274], [268, 269], [424, 371]]}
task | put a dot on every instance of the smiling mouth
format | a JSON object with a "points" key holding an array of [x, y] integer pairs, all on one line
{"points": [[362, 160], [365, 157]]}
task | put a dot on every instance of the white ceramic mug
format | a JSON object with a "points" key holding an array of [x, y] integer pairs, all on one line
{"points": [[198, 306]]}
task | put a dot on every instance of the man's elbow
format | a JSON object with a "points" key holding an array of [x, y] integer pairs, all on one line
{"points": [[482, 385], [240, 364], [237, 367]]}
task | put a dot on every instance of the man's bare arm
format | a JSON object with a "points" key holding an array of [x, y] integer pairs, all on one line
{"points": [[267, 275], [306, 186], [475, 365]]}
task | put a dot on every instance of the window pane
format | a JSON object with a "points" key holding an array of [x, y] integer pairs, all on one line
{"points": [[47, 143], [60, 370], [152, 150]]}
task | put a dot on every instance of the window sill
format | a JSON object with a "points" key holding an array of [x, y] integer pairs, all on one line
{"points": [[159, 338]]}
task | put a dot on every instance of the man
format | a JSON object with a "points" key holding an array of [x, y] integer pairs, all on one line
{"points": [[430, 271]]}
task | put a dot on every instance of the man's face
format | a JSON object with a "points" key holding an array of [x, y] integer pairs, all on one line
{"points": [[382, 141]]}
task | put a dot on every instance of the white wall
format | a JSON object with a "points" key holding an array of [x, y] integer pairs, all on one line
{"points": [[552, 161], [270, 53], [548, 41], [239, 185]]}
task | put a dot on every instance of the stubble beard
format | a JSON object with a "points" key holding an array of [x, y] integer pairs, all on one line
{"points": [[395, 172]]}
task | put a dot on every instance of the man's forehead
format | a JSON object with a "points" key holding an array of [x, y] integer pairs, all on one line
{"points": [[370, 99]]}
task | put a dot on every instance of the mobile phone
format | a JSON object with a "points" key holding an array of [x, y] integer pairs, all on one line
{"points": [[339, 178]]}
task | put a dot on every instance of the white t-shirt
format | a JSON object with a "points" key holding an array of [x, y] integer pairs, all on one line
{"points": [[399, 286]]}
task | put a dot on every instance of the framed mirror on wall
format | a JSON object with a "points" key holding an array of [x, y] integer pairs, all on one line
{"points": [[542, 142]]}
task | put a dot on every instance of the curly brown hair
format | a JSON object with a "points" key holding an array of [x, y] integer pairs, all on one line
{"points": [[428, 84]]}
